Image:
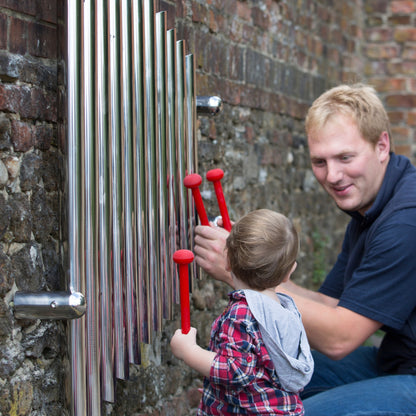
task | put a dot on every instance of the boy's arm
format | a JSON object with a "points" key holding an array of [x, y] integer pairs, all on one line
{"points": [[185, 348]]}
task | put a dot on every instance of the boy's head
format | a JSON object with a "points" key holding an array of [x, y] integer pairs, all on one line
{"points": [[262, 248]]}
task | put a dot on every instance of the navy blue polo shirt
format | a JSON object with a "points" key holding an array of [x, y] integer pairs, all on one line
{"points": [[375, 273]]}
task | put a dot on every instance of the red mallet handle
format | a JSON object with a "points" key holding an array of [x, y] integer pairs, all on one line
{"points": [[183, 258], [192, 182], [215, 175]]}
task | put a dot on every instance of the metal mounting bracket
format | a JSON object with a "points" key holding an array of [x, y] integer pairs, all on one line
{"points": [[49, 305]]}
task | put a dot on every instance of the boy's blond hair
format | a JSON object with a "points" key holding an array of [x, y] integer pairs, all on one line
{"points": [[262, 248]]}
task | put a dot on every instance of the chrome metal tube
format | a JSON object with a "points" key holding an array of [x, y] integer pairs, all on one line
{"points": [[181, 145], [150, 135], [89, 190], [116, 186], [192, 150], [127, 166], [78, 356], [139, 177], [104, 241], [161, 161], [172, 163]]}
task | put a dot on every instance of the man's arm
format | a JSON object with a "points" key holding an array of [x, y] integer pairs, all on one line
{"points": [[333, 330]]}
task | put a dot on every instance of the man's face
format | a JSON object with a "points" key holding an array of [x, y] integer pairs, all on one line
{"points": [[347, 166]]}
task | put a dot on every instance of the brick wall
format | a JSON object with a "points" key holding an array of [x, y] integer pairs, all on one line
{"points": [[268, 60], [390, 49], [33, 354]]}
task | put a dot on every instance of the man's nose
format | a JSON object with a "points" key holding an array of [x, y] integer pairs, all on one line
{"points": [[334, 172]]}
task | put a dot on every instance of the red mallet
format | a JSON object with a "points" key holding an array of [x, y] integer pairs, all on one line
{"points": [[192, 182], [183, 258], [215, 175]]}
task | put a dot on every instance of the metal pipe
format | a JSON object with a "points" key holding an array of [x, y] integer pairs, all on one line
{"points": [[121, 368], [104, 241], [89, 191], [139, 177], [78, 359], [172, 162], [150, 134], [127, 165], [161, 152]]}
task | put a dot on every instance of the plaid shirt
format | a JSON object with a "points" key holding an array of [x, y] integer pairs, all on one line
{"points": [[242, 379]]}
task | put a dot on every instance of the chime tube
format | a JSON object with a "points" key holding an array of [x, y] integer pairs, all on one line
{"points": [[172, 162], [127, 188], [104, 241], [139, 178], [116, 186], [89, 198], [150, 135], [78, 356]]}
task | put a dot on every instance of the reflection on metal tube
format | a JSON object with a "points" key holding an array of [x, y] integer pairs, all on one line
{"points": [[150, 161], [78, 381], [87, 134], [164, 298], [192, 150], [116, 203], [127, 164], [172, 165], [181, 144], [101, 111], [140, 189]]}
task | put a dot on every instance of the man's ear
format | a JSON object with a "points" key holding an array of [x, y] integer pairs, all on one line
{"points": [[383, 146]]}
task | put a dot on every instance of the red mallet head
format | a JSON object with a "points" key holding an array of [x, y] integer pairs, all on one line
{"points": [[183, 258], [192, 182], [215, 176]]}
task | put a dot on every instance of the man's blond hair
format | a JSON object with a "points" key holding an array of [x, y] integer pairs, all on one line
{"points": [[358, 101]]}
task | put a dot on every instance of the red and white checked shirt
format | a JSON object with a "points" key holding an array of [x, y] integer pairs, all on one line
{"points": [[242, 379]]}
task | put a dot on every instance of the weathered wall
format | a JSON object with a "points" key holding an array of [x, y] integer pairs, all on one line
{"points": [[268, 60]]}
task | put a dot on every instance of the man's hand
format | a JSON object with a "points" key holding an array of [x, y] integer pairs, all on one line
{"points": [[210, 251]]}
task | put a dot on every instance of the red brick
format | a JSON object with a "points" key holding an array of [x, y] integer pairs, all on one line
{"points": [[22, 6], [3, 32], [402, 6], [405, 34], [379, 34], [401, 100], [411, 118], [42, 40], [409, 53], [22, 136], [382, 51], [18, 36]]}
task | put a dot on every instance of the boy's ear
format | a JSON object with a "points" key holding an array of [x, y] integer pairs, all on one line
{"points": [[227, 262], [295, 264]]}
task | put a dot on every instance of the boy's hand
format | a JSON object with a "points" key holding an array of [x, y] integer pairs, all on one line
{"points": [[182, 344]]}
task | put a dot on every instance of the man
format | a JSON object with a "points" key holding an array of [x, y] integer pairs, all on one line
{"points": [[373, 283]]}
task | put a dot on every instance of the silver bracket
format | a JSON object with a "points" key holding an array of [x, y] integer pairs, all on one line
{"points": [[208, 105], [49, 305]]}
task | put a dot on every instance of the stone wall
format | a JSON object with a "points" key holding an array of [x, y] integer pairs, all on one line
{"points": [[268, 60]]}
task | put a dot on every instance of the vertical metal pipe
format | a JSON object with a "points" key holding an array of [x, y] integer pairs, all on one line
{"points": [[150, 133], [171, 156], [162, 163], [116, 186], [78, 369], [91, 269], [127, 165], [101, 129], [181, 150], [139, 177], [192, 151]]}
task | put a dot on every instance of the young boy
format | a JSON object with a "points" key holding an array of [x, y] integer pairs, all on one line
{"points": [[259, 357]]}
